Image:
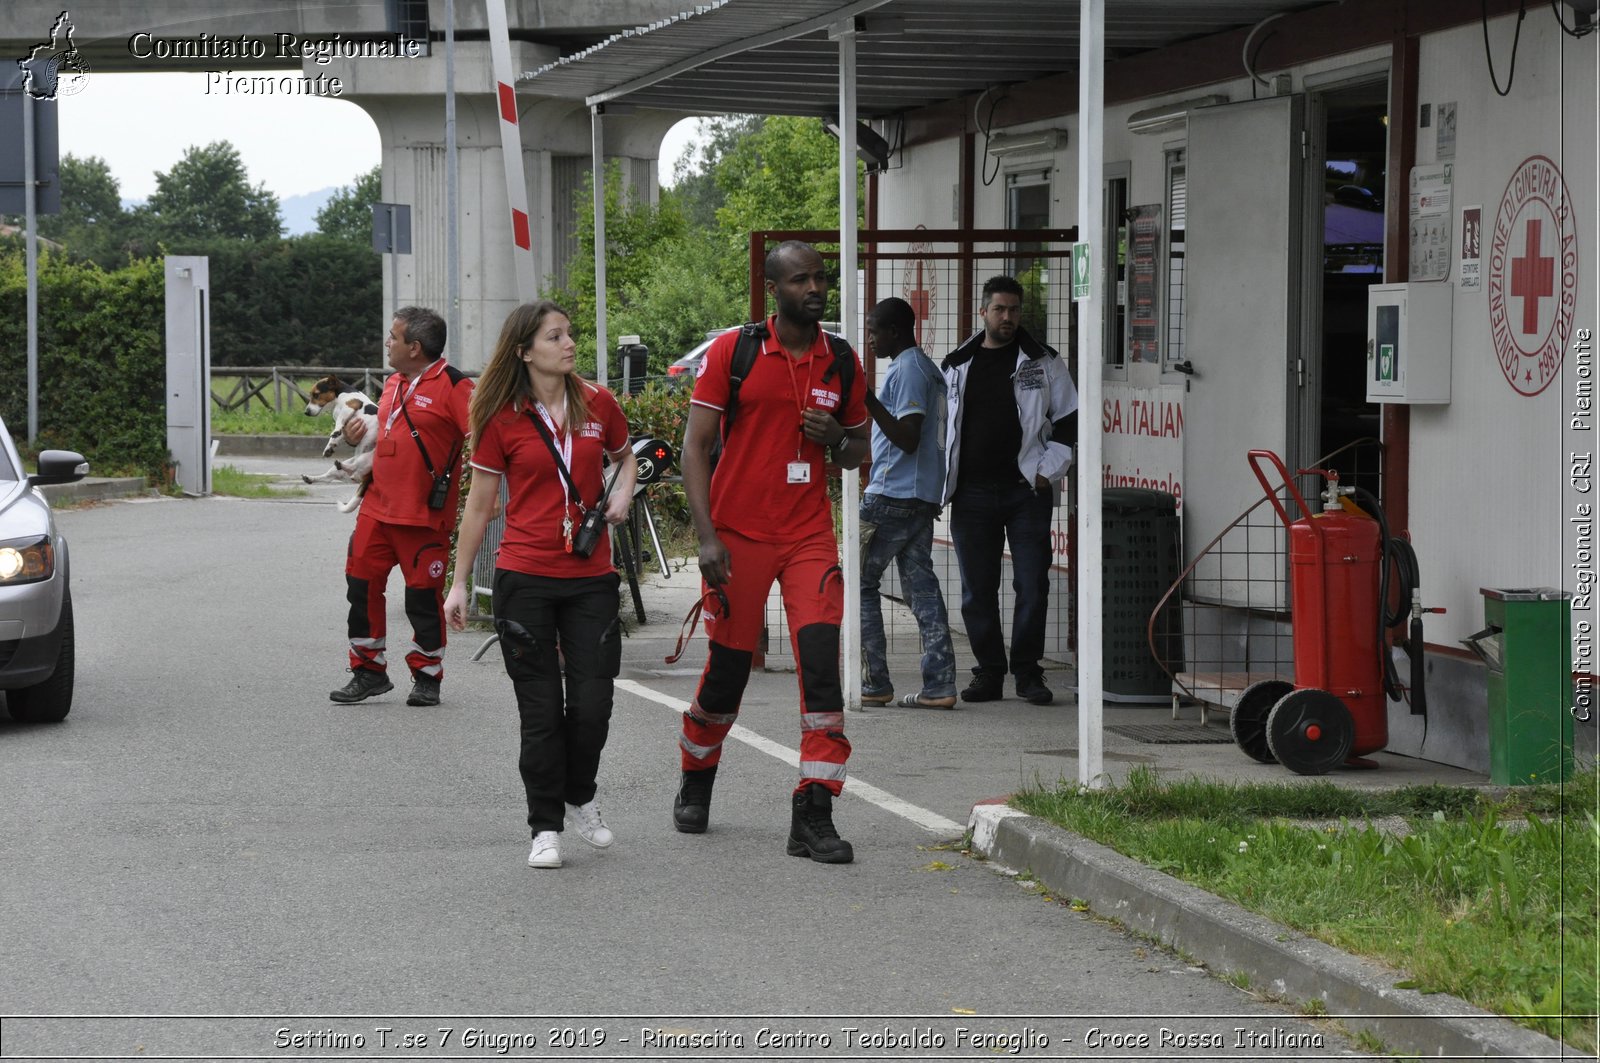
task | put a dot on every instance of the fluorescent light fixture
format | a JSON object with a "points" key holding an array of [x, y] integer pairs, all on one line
{"points": [[871, 148], [1170, 115], [1035, 143]]}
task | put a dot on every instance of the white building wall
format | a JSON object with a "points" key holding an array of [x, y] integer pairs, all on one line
{"points": [[1489, 491], [1489, 470]]}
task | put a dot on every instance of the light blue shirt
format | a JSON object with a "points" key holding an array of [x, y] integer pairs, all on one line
{"points": [[913, 384]]}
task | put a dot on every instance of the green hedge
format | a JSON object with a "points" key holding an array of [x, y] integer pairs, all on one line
{"points": [[102, 371]]}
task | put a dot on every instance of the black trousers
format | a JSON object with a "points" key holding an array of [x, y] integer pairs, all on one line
{"points": [[564, 726]]}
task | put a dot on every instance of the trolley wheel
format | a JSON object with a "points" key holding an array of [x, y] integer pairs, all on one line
{"points": [[1248, 722], [1310, 731]]}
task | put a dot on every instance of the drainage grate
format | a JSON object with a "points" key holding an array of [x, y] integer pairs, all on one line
{"points": [[1173, 734]]}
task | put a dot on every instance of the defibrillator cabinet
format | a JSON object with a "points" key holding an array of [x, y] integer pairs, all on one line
{"points": [[1408, 342]]}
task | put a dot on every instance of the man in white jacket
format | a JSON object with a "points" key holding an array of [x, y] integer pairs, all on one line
{"points": [[1012, 413]]}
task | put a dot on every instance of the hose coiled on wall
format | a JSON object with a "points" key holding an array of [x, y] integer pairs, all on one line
{"points": [[1397, 556]]}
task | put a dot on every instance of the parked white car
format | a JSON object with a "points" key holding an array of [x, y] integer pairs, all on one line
{"points": [[36, 642]]}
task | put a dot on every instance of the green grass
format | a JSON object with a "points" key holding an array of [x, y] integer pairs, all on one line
{"points": [[229, 480], [259, 422], [1490, 898], [255, 419]]}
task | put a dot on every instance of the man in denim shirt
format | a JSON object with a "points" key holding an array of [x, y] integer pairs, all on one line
{"points": [[901, 503]]}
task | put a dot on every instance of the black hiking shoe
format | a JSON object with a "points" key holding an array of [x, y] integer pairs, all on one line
{"points": [[1031, 688], [984, 688], [424, 691], [364, 683], [691, 809], [811, 830]]}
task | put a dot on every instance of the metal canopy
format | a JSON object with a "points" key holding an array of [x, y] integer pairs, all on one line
{"points": [[775, 57]]}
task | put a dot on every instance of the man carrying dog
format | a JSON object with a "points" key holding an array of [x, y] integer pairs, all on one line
{"points": [[409, 509]]}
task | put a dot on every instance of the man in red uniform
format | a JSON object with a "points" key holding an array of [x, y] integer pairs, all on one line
{"points": [[765, 516], [408, 510]]}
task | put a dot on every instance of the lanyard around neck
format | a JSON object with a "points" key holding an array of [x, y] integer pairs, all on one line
{"points": [[564, 441], [799, 396]]}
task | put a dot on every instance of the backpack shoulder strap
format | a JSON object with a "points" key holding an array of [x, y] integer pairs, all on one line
{"points": [[745, 351], [844, 364]]}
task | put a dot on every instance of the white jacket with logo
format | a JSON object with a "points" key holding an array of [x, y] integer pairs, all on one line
{"points": [[1045, 394]]}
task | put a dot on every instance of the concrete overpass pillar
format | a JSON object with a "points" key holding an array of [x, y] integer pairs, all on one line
{"points": [[406, 103]]}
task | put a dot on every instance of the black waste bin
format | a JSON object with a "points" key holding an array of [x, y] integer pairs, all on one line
{"points": [[633, 364], [1140, 549]]}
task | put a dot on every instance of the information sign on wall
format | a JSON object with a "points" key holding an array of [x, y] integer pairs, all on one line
{"points": [[1143, 437], [1430, 222], [1144, 304]]}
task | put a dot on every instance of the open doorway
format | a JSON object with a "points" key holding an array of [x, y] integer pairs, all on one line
{"points": [[1348, 229]]}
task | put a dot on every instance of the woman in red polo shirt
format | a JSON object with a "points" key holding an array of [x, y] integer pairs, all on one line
{"points": [[529, 407]]}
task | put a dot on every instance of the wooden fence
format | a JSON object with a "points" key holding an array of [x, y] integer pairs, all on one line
{"points": [[285, 387]]}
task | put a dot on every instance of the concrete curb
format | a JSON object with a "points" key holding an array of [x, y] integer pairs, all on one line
{"points": [[266, 445], [1361, 994], [93, 488]]}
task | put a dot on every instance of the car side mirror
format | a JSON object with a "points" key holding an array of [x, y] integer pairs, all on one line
{"points": [[59, 467]]}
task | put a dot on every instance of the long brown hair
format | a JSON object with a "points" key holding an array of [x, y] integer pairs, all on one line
{"points": [[504, 380]]}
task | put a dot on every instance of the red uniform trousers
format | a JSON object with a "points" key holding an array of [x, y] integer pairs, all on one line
{"points": [[423, 554], [812, 587]]}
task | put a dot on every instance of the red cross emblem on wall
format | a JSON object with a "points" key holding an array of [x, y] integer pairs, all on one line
{"points": [[919, 286], [1533, 275]]}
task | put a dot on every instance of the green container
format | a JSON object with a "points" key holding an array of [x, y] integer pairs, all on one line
{"points": [[1527, 645]]}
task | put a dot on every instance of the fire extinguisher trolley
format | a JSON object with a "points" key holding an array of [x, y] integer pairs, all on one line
{"points": [[1336, 710]]}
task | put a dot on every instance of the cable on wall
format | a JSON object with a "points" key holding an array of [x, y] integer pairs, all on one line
{"points": [[1511, 75]]}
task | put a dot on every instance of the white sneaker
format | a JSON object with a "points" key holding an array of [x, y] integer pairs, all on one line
{"points": [[585, 819], [546, 850]]}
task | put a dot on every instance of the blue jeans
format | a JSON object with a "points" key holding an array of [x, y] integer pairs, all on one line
{"points": [[904, 534], [983, 519]]}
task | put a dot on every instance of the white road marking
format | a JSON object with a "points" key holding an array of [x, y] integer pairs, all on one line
{"points": [[930, 821]]}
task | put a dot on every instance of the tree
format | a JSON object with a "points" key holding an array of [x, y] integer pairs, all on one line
{"points": [[695, 178], [91, 224], [638, 238], [678, 270], [348, 213], [207, 195]]}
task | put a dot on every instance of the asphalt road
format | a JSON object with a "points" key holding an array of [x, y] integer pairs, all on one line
{"points": [[208, 836]]}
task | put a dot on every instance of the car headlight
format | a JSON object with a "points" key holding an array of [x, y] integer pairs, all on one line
{"points": [[27, 560]]}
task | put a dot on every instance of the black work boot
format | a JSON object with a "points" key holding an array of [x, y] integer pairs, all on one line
{"points": [[364, 683], [691, 809], [811, 831], [424, 690]]}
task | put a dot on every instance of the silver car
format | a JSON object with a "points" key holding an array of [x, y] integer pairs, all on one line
{"points": [[36, 646]]}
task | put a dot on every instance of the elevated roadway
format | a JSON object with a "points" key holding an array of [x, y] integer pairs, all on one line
{"points": [[261, 43]]}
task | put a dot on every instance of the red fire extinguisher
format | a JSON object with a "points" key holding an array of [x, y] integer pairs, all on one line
{"points": [[1340, 559]]}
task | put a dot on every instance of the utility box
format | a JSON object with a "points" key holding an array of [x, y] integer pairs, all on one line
{"points": [[1408, 342], [634, 357], [1526, 644]]}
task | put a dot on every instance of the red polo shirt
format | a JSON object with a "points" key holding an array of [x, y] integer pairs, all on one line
{"points": [[750, 491], [437, 405], [533, 542]]}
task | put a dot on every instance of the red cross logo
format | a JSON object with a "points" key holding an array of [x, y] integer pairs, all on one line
{"points": [[1535, 211], [919, 298], [1533, 278]]}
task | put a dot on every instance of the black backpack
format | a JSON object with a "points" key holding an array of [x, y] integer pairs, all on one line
{"points": [[745, 351]]}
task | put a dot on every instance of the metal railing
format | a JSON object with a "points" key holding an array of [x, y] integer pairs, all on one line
{"points": [[1232, 623]]}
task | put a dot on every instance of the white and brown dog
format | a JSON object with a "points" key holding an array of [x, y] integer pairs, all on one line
{"points": [[330, 394]]}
